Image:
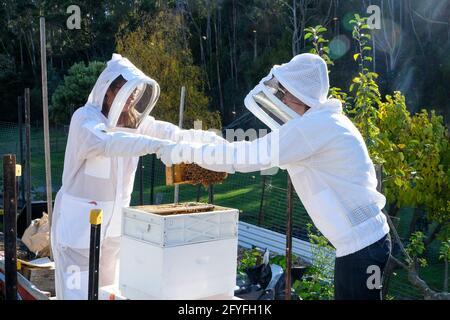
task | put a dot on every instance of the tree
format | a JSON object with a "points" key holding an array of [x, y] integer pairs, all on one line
{"points": [[412, 150], [74, 91], [156, 47]]}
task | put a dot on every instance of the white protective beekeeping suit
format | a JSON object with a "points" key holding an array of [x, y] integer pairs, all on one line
{"points": [[323, 152], [99, 169]]}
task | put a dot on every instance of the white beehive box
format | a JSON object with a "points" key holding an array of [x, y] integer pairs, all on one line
{"points": [[179, 229], [182, 256]]}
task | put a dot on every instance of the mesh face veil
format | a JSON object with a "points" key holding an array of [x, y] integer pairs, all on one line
{"points": [[305, 77], [265, 102], [130, 95], [132, 103]]}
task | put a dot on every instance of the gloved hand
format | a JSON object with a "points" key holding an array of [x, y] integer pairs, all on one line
{"points": [[200, 136], [175, 153], [201, 154]]}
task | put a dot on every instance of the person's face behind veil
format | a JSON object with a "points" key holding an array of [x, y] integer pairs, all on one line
{"points": [[128, 117]]}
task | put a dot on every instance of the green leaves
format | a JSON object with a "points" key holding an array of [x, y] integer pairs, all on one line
{"points": [[249, 259], [317, 283], [72, 93], [281, 260], [416, 248], [361, 34], [444, 252], [403, 142], [398, 182], [315, 37]]}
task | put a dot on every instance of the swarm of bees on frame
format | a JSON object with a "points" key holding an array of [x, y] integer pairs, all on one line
{"points": [[198, 175]]}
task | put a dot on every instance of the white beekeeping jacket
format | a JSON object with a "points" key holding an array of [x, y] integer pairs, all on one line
{"points": [[101, 158], [100, 162], [323, 152]]}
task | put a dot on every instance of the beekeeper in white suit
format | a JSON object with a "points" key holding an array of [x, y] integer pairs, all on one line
{"points": [[327, 160], [106, 138]]}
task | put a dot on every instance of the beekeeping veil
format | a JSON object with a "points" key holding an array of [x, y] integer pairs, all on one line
{"points": [[305, 77], [135, 99]]}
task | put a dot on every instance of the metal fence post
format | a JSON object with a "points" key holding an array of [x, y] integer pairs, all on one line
{"points": [[141, 181], [199, 192], [10, 224], [211, 194], [261, 205], [152, 180], [96, 217], [289, 239]]}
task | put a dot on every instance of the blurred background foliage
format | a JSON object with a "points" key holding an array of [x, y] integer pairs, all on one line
{"points": [[220, 49]]}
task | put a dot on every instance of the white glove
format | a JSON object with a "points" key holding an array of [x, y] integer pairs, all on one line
{"points": [[175, 153], [200, 136], [202, 154]]}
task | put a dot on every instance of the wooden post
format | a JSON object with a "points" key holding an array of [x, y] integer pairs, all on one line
{"points": [[10, 225], [289, 239], [27, 154], [48, 166], [20, 125], [96, 217], [180, 124]]}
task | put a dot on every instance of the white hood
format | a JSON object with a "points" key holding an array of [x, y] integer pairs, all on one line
{"points": [[306, 77], [148, 89]]}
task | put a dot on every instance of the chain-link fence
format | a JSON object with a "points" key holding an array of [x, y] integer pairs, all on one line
{"points": [[261, 199], [10, 143]]}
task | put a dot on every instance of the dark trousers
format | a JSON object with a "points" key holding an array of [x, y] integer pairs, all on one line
{"points": [[359, 276]]}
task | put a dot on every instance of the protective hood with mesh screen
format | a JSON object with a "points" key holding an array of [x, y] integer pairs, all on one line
{"points": [[265, 102], [305, 77], [135, 99]]}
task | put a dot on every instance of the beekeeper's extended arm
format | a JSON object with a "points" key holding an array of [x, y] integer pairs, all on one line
{"points": [[95, 141], [281, 147], [168, 131]]}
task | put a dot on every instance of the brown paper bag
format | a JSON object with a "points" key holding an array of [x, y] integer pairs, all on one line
{"points": [[37, 236]]}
